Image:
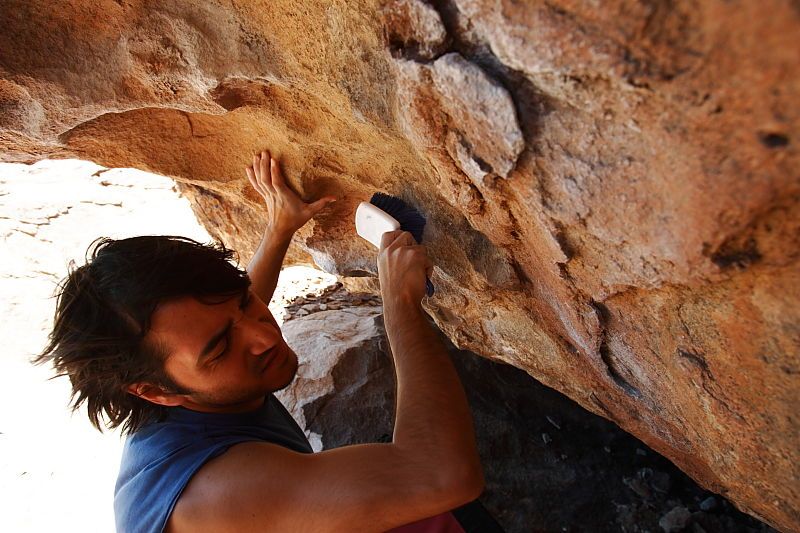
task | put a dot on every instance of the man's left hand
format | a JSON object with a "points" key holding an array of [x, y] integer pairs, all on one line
{"points": [[287, 211]]}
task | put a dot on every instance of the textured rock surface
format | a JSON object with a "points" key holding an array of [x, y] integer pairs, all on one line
{"points": [[321, 340], [602, 478], [637, 249]]}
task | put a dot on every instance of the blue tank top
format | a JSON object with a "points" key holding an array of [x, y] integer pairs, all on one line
{"points": [[160, 458]]}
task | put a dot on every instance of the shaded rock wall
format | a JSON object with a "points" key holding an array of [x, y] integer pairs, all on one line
{"points": [[612, 190]]}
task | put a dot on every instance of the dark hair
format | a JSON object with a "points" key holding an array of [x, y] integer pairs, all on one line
{"points": [[103, 312]]}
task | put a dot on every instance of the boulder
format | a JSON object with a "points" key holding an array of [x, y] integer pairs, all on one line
{"points": [[343, 368]]}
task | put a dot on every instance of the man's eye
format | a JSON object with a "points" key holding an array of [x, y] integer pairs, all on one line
{"points": [[221, 354]]}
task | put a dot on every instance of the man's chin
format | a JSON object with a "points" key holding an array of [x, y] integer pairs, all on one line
{"points": [[291, 375]]}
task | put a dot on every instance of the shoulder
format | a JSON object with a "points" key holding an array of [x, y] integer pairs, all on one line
{"points": [[157, 463], [210, 496]]}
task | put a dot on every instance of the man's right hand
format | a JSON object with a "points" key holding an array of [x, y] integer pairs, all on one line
{"points": [[403, 266]]}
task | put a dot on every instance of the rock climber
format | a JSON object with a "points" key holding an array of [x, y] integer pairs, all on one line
{"points": [[165, 338]]}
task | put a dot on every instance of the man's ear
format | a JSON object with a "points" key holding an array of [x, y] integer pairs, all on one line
{"points": [[155, 394]]}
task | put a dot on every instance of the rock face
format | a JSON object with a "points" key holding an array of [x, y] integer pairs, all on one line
{"points": [[611, 188]]}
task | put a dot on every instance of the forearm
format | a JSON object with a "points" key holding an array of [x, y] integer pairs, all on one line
{"points": [[433, 416], [265, 266]]}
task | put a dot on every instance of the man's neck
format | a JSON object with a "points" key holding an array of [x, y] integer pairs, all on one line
{"points": [[243, 407]]}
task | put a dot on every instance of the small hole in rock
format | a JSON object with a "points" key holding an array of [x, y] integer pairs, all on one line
{"points": [[773, 140]]}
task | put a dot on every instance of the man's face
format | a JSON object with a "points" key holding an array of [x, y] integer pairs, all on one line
{"points": [[229, 355]]}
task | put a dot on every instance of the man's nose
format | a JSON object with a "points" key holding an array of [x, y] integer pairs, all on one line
{"points": [[261, 336]]}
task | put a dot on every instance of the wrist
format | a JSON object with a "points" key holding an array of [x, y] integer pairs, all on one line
{"points": [[279, 232], [401, 306]]}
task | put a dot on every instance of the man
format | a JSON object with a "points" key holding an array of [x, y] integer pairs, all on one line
{"points": [[167, 339]]}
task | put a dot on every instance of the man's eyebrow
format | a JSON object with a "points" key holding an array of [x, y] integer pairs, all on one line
{"points": [[213, 342]]}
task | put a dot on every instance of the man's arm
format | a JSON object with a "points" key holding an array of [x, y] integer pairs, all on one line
{"points": [[265, 266], [433, 417], [368, 488], [286, 213]]}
